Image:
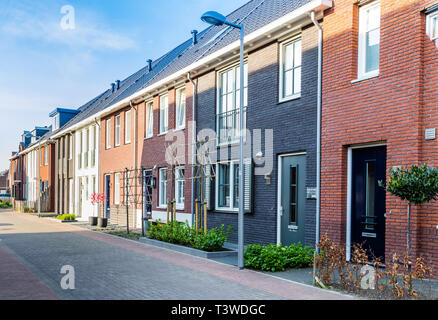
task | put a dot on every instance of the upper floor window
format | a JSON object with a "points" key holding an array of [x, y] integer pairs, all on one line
{"points": [[46, 156], [228, 111], [180, 108], [369, 40], [128, 127], [108, 133], [149, 119], [290, 69], [432, 25], [117, 133], [70, 147], [164, 113]]}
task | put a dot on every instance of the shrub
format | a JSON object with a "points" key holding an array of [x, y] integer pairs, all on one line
{"points": [[274, 257], [183, 234], [66, 217], [26, 209]]}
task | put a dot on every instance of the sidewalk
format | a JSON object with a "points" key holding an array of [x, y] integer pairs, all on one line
{"points": [[17, 282]]}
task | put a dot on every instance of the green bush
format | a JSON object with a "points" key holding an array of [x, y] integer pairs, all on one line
{"points": [[274, 257], [66, 217], [5, 204], [183, 234], [26, 209]]}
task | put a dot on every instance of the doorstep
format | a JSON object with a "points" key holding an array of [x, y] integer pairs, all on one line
{"points": [[188, 250]]}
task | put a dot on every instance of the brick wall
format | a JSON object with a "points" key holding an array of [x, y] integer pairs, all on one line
{"points": [[394, 108], [294, 127]]}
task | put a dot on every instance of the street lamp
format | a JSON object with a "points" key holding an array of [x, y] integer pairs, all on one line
{"points": [[217, 19]]}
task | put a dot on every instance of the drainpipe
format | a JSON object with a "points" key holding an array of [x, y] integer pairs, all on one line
{"points": [[318, 137], [192, 204], [135, 154]]}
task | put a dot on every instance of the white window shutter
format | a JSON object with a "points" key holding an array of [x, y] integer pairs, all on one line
{"points": [[247, 180], [207, 189]]}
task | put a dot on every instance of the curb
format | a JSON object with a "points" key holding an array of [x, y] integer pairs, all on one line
{"points": [[188, 250]]}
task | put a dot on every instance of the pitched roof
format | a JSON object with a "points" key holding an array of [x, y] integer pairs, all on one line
{"points": [[254, 15]]}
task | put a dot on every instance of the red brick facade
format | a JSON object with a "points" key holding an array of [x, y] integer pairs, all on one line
{"points": [[393, 108], [151, 152]]}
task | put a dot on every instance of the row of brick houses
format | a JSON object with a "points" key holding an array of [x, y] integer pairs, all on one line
{"points": [[370, 66]]}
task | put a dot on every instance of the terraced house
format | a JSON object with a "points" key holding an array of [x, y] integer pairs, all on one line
{"points": [[379, 112], [335, 94]]}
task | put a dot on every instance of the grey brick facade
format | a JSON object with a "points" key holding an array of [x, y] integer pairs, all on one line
{"points": [[294, 130]]}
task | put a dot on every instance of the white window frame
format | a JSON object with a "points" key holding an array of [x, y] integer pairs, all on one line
{"points": [[164, 114], [179, 179], [46, 155], [431, 28], [220, 107], [128, 125], [361, 68], [117, 188], [70, 147], [117, 123], [231, 163], [108, 133], [295, 95], [162, 184], [180, 104], [149, 119]]}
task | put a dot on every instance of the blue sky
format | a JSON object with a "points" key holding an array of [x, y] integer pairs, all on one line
{"points": [[43, 66]]}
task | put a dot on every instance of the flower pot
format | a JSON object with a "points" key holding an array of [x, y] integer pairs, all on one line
{"points": [[93, 221], [102, 222]]}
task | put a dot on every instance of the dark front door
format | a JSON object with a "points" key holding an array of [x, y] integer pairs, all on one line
{"points": [[293, 199], [368, 200], [107, 195], [147, 193]]}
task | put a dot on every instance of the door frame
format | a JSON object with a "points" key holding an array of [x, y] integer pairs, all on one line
{"points": [[106, 206], [280, 162], [349, 191]]}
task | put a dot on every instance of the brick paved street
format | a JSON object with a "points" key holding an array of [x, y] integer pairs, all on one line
{"points": [[33, 250]]}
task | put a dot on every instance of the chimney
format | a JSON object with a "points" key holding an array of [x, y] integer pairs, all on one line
{"points": [[113, 87], [149, 64], [194, 36], [117, 84]]}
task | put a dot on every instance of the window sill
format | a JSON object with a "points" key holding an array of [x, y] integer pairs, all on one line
{"points": [[149, 137], [365, 77], [162, 134], [294, 97], [162, 207], [179, 129]]}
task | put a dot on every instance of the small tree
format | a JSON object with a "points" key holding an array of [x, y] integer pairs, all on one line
{"points": [[417, 185]]}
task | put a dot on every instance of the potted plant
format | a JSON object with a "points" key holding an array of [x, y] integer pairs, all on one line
{"points": [[98, 198]]}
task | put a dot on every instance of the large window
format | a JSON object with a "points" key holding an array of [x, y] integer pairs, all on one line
{"points": [[46, 156], [164, 113], [70, 147], [117, 133], [432, 25], [369, 40], [179, 187], [227, 186], [290, 69], [128, 127], [162, 201], [117, 188], [228, 112], [108, 133], [180, 108], [149, 119]]}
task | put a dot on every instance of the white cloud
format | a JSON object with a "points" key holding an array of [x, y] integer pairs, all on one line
{"points": [[44, 25]]}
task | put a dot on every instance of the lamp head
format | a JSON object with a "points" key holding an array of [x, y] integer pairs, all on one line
{"points": [[214, 18]]}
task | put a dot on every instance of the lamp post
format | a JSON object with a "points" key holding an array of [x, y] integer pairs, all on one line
{"points": [[217, 19]]}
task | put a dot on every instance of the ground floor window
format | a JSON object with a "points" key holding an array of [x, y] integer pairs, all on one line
{"points": [[162, 201], [179, 187], [227, 185]]}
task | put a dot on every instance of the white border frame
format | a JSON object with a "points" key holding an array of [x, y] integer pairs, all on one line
{"points": [[429, 18], [177, 102], [147, 103], [349, 191], [232, 163], [279, 164]]}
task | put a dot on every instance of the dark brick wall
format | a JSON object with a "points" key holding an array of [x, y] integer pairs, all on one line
{"points": [[294, 130]]}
